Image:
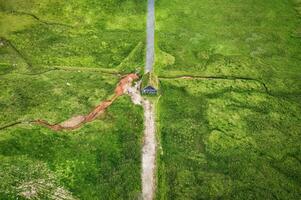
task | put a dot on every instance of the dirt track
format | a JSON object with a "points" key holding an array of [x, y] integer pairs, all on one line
{"points": [[149, 145], [77, 121], [148, 152]]}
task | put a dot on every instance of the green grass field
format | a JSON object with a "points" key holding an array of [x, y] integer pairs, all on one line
{"points": [[228, 115], [100, 34], [57, 60], [232, 132], [227, 140], [258, 39]]}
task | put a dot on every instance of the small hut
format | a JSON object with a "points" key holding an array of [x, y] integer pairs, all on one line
{"points": [[149, 85], [149, 90]]}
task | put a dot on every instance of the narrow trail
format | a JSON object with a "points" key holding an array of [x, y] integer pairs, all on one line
{"points": [[149, 145], [15, 12], [11, 45], [124, 86]]}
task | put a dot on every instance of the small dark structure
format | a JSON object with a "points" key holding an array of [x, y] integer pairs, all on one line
{"points": [[150, 90], [149, 84]]}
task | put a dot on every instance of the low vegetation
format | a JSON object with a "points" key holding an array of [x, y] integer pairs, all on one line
{"points": [[228, 110]]}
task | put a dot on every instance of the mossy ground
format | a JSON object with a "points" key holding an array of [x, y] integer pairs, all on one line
{"points": [[233, 132]]}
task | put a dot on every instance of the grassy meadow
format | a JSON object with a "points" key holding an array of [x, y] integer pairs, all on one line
{"points": [[57, 60], [232, 129], [106, 34], [228, 115], [257, 39]]}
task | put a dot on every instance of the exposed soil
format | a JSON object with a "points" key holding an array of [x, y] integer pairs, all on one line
{"points": [[149, 147], [77, 121]]}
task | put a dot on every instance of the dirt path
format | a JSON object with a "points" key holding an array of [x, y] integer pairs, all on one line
{"points": [[148, 152], [79, 120], [149, 145]]}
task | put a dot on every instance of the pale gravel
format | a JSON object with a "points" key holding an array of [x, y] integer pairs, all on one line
{"points": [[149, 145]]}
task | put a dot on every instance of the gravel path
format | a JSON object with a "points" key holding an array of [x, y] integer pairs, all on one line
{"points": [[149, 145], [150, 43], [148, 152]]}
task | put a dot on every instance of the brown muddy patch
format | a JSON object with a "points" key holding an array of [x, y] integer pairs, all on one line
{"points": [[79, 120]]}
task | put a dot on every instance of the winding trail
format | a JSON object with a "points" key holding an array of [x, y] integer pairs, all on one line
{"points": [[124, 86], [79, 120], [15, 12]]}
